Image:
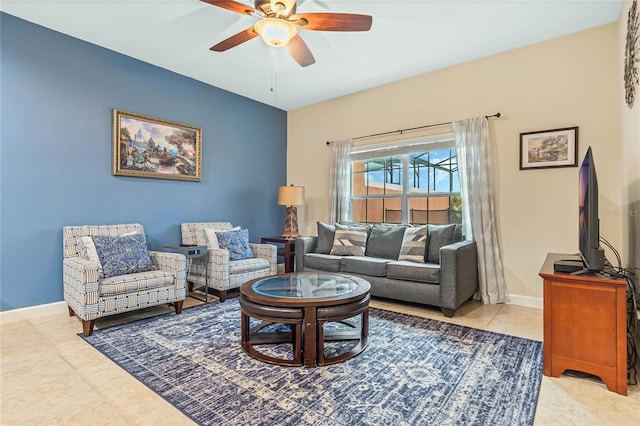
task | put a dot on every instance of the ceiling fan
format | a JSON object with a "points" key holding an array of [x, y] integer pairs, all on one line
{"points": [[279, 24]]}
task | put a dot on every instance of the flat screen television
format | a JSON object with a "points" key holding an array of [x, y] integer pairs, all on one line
{"points": [[588, 221]]}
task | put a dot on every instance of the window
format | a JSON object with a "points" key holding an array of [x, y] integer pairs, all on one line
{"points": [[413, 184]]}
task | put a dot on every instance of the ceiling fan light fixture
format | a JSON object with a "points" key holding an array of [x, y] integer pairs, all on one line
{"points": [[275, 32]]}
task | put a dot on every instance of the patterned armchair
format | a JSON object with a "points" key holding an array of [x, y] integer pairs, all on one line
{"points": [[216, 271], [89, 295]]}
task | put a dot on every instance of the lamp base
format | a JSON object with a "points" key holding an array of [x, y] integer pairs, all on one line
{"points": [[291, 223]]}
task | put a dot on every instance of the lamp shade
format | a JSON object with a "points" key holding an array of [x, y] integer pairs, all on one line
{"points": [[291, 195], [275, 32]]}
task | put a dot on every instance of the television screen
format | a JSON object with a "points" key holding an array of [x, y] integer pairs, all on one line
{"points": [[588, 222]]}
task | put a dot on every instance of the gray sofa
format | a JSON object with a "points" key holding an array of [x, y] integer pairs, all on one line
{"points": [[445, 277]]}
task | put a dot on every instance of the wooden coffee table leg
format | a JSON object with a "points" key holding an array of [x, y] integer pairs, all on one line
{"points": [[365, 327], [244, 329], [320, 344], [298, 350], [310, 330]]}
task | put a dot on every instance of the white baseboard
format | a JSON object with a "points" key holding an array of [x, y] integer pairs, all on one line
{"points": [[528, 301], [33, 312], [61, 308]]}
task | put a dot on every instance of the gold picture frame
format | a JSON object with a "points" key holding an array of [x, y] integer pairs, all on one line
{"points": [[150, 147]]}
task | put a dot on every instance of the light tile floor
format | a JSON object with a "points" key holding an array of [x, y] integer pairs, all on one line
{"points": [[50, 376]]}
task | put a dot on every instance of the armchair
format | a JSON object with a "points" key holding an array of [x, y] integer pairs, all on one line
{"points": [[91, 295], [217, 271]]}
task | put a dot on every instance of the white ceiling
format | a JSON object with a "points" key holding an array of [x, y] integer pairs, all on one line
{"points": [[407, 38]]}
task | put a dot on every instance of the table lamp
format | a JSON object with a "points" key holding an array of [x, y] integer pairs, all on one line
{"points": [[291, 196]]}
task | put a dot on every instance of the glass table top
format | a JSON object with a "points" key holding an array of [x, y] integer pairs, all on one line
{"points": [[305, 286]]}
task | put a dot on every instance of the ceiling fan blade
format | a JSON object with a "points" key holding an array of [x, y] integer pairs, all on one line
{"points": [[298, 49], [234, 40], [332, 21], [232, 5]]}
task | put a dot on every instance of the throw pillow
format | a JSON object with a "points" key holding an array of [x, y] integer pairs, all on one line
{"points": [[349, 242], [326, 234], [211, 238], [87, 251], [439, 236], [236, 242], [413, 244], [385, 241], [457, 233], [122, 254], [359, 226]]}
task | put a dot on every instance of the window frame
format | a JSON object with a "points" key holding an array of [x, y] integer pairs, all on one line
{"points": [[401, 148]]}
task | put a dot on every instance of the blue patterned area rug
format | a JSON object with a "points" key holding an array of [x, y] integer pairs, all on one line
{"points": [[415, 371]]}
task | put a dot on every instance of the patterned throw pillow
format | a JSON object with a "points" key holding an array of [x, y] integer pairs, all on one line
{"points": [[413, 244], [349, 242], [358, 226], [122, 254], [211, 238], [236, 242]]}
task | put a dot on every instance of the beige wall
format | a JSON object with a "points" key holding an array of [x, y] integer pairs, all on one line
{"points": [[568, 81], [631, 157]]}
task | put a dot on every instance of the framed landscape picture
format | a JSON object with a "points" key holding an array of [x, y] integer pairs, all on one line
{"points": [[549, 148], [150, 147]]}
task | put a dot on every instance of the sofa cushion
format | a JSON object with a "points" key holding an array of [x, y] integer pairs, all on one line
{"points": [[135, 283], [438, 237], [236, 242], [413, 244], [365, 265], [412, 271], [122, 254], [247, 265], [385, 241], [349, 242], [358, 226], [326, 233], [323, 262], [457, 234]]}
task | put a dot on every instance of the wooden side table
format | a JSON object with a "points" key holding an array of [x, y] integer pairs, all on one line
{"points": [[286, 249], [585, 325], [191, 252]]}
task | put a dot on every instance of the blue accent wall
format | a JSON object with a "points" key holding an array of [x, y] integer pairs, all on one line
{"points": [[57, 97]]}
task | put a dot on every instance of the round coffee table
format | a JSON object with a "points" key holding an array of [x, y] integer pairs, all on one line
{"points": [[305, 301]]}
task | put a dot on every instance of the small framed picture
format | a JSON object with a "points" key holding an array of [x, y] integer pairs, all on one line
{"points": [[549, 148], [150, 147]]}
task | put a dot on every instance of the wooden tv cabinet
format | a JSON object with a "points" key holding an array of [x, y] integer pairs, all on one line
{"points": [[585, 325]]}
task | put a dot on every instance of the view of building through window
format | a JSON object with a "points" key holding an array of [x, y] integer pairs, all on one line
{"points": [[416, 188]]}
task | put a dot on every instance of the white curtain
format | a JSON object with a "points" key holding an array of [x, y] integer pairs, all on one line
{"points": [[340, 181], [474, 166]]}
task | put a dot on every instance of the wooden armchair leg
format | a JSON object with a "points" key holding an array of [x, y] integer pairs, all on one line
{"points": [[71, 311], [87, 327], [222, 295], [178, 306]]}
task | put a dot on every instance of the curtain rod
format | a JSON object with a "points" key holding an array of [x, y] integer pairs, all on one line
{"points": [[401, 131]]}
